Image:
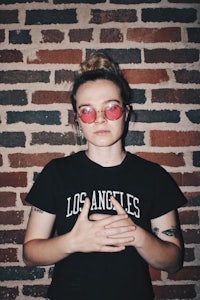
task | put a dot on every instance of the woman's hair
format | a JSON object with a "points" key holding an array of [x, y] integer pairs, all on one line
{"points": [[99, 66]]}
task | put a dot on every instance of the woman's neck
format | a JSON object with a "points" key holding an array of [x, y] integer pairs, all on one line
{"points": [[106, 156]]}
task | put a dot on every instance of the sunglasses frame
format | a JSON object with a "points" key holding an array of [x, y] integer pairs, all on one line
{"points": [[122, 109]]}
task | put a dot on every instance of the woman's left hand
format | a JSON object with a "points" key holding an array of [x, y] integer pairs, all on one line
{"points": [[120, 223]]}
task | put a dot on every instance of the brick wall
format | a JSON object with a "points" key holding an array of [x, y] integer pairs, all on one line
{"points": [[42, 42]]}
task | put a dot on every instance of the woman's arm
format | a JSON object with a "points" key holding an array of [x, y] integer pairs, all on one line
{"points": [[163, 249], [86, 236]]}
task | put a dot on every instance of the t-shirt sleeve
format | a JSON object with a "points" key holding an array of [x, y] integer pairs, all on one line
{"points": [[168, 195], [42, 193]]}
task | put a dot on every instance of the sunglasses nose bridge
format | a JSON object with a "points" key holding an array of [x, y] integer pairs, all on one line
{"points": [[100, 116]]}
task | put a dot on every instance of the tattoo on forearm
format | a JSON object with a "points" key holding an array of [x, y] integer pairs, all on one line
{"points": [[155, 231], [174, 231], [38, 209]]}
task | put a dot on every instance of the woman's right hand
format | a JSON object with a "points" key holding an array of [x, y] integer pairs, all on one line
{"points": [[93, 236]]}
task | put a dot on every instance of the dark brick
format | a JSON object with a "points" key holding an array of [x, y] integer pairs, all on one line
{"points": [[64, 75], [52, 36], [111, 35], [133, 1], [119, 15], [172, 291], [191, 236], [171, 56], [2, 35], [185, 76], [12, 236], [138, 96], [154, 35], [49, 97], [78, 1], [194, 34], [8, 16], [189, 217], [196, 158], [134, 138], [14, 97], [20, 37], [12, 139], [146, 116], [19, 76], [38, 117], [186, 273], [9, 293], [193, 198], [8, 56], [194, 116], [121, 56], [79, 35], [183, 15], [8, 255], [53, 138], [54, 16], [189, 255], [11, 217], [185, 96], [35, 291], [21, 1], [21, 273]]}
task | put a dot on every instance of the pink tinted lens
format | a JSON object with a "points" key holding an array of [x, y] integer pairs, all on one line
{"points": [[113, 112], [87, 115]]}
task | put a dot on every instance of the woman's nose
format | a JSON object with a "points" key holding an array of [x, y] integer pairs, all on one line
{"points": [[100, 116]]}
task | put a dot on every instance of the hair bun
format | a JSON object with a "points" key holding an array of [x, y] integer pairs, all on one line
{"points": [[98, 60]]}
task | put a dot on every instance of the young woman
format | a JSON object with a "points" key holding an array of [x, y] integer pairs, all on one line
{"points": [[114, 213]]}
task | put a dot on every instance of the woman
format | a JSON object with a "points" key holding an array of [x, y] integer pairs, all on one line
{"points": [[114, 213]]}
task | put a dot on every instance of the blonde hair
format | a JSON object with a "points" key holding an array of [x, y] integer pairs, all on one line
{"points": [[98, 60]]}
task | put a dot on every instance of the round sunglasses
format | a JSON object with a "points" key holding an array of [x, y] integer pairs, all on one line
{"points": [[111, 112]]}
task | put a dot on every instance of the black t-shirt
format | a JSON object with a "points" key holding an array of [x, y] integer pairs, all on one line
{"points": [[144, 189]]}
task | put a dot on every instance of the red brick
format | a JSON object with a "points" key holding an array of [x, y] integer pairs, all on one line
{"points": [[11, 217], [154, 35], [7, 199], [174, 138], [1, 160], [79, 35], [135, 76], [52, 36], [50, 97], [19, 160], [155, 274], [191, 236], [192, 198], [166, 159], [111, 35], [56, 57], [14, 179], [175, 291], [187, 179], [189, 217], [8, 255], [187, 273]]}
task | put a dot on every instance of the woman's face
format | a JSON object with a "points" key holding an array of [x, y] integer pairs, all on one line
{"points": [[101, 114]]}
